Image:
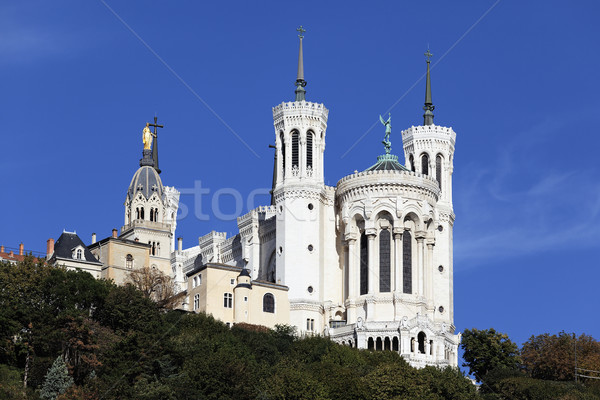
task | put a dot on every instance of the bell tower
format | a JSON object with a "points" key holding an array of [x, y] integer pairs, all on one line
{"points": [[429, 150], [301, 199]]}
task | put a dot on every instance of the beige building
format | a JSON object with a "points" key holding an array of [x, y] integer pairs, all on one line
{"points": [[229, 294], [120, 256]]}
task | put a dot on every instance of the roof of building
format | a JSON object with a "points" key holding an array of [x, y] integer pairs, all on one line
{"points": [[145, 181], [387, 162], [67, 242], [118, 239]]}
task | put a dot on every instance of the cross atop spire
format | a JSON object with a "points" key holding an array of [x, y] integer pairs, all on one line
{"points": [[429, 107], [155, 147], [300, 82], [428, 55]]}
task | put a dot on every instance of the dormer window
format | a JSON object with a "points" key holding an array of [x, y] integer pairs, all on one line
{"points": [[77, 253]]}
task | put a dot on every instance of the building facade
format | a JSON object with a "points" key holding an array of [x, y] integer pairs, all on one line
{"points": [[367, 262]]}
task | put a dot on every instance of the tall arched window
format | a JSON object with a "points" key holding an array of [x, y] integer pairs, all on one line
{"points": [[269, 303], [438, 169], [282, 152], [421, 339], [425, 164], [309, 149], [364, 264], [407, 262], [196, 301], [384, 260], [295, 149], [411, 160], [137, 213], [142, 213], [152, 214], [129, 261]]}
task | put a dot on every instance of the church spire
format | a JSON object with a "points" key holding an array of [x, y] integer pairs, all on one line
{"points": [[429, 107], [155, 147], [300, 82]]}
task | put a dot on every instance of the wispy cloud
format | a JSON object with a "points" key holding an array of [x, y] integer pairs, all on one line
{"points": [[522, 202]]}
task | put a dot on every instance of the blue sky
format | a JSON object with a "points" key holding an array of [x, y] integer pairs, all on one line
{"points": [[516, 80]]}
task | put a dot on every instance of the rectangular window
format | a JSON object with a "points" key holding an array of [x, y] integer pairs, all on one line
{"points": [[196, 302], [228, 300], [232, 281]]}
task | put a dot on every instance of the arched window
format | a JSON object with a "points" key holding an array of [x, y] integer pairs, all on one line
{"points": [[152, 214], [364, 264], [438, 169], [196, 301], [395, 344], [425, 164], [295, 149], [370, 344], [129, 261], [407, 262], [411, 161], [378, 344], [137, 213], [268, 303], [79, 254], [421, 338], [309, 149], [387, 344], [142, 213], [384, 260], [282, 152]]}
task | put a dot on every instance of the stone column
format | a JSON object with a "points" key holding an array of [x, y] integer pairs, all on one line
{"points": [[429, 271], [373, 273], [352, 274], [302, 154], [352, 269], [398, 261], [420, 236]]}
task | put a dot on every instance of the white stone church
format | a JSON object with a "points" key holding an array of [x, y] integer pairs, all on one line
{"points": [[367, 262]]}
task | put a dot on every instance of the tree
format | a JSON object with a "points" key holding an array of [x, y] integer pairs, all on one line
{"points": [[57, 380], [552, 357], [156, 285], [485, 350]]}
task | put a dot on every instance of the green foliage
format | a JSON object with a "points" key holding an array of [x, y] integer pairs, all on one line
{"points": [[552, 357], [485, 350], [57, 380], [117, 344]]}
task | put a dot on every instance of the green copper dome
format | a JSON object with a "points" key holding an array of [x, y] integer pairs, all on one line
{"points": [[387, 162]]}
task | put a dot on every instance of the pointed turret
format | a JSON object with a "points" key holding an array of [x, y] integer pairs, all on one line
{"points": [[300, 82], [429, 107]]}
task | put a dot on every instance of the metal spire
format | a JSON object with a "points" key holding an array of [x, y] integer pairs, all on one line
{"points": [[300, 82], [429, 107], [155, 146]]}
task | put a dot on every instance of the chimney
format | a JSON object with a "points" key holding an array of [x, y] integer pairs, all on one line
{"points": [[180, 243], [114, 233], [1, 249], [21, 249], [49, 247], [93, 238]]}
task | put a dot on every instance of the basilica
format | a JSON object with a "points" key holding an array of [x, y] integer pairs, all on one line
{"points": [[367, 262]]}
